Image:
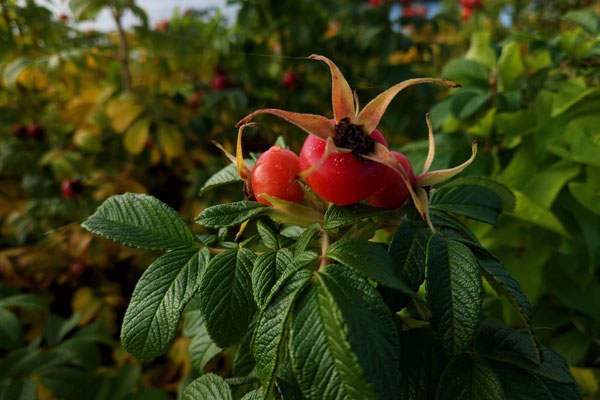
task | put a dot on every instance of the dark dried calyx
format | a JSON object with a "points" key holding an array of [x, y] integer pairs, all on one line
{"points": [[353, 137]]}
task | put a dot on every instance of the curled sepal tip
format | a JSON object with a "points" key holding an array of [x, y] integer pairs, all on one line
{"points": [[370, 116], [244, 170], [434, 177], [314, 124], [431, 152], [341, 94]]}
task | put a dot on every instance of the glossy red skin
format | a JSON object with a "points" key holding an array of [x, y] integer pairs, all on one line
{"points": [[466, 13], [274, 174], [393, 192], [341, 179], [35, 131], [19, 130]]}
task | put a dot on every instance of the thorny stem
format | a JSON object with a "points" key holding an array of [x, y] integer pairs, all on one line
{"points": [[324, 246], [123, 51]]}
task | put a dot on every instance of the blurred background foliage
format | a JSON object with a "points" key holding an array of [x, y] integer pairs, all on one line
{"points": [[87, 114]]}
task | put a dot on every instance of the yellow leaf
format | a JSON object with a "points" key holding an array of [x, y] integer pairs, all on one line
{"points": [[171, 140], [137, 135], [122, 111], [587, 380]]}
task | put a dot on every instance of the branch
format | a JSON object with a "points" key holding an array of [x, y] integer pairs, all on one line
{"points": [[123, 50]]}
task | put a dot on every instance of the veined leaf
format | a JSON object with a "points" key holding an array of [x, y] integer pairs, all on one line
{"points": [[271, 329], [508, 198], [202, 349], [371, 260], [208, 387], [317, 333], [408, 249], [267, 235], [465, 72], [421, 363], [505, 285], [476, 202], [498, 342], [139, 220], [454, 293], [468, 379], [226, 296], [304, 240], [268, 267], [160, 295], [224, 176], [371, 327], [337, 216], [224, 215]]}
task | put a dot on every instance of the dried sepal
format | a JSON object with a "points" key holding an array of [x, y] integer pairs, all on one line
{"points": [[431, 152], [244, 170], [314, 124], [224, 150], [370, 116], [293, 213], [422, 206], [330, 148], [341, 94], [434, 177]]}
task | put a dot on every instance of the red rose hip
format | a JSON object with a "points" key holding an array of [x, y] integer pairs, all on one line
{"points": [[342, 179], [393, 192], [274, 174]]}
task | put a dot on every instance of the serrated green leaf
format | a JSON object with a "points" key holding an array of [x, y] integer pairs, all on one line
{"points": [[255, 394], [268, 267], [224, 176], [505, 285], [317, 333], [519, 384], [152, 317], [11, 334], [139, 220], [202, 349], [498, 342], [454, 293], [243, 362], [226, 298], [371, 327], [468, 379], [507, 196], [304, 240], [224, 215], [271, 329], [208, 387], [408, 249], [267, 235], [421, 363], [476, 202], [371, 260], [337, 216]]}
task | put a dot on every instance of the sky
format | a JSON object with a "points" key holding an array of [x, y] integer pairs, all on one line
{"points": [[156, 9]]}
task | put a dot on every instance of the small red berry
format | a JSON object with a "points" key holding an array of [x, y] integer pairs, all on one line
{"points": [[195, 98], [219, 81], [466, 13], [162, 25], [36, 131], [19, 130], [71, 188], [375, 3], [290, 79], [274, 174], [393, 192]]}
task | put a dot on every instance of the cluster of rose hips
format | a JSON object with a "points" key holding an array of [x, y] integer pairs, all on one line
{"points": [[33, 131], [345, 160], [468, 6]]}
